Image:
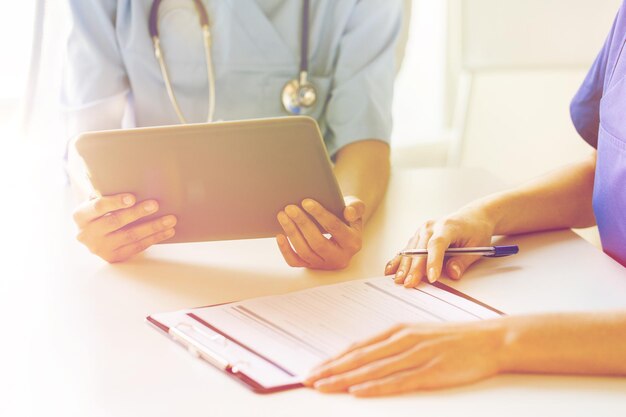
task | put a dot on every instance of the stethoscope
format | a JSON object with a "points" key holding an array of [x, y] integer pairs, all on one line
{"points": [[298, 96]]}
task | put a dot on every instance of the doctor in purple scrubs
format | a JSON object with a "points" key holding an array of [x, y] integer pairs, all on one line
{"points": [[593, 191]]}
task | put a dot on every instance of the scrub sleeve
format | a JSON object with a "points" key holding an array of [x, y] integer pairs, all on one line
{"points": [[599, 114], [361, 98], [95, 85]]}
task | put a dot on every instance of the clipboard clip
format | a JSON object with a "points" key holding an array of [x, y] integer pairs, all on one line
{"points": [[189, 336]]}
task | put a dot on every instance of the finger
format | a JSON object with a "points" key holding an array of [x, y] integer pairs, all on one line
{"points": [[417, 271], [119, 219], [437, 246], [290, 256], [98, 207], [341, 232], [457, 265], [427, 377], [403, 267], [314, 374], [399, 383], [410, 358], [313, 235], [362, 357], [405, 261], [392, 265], [298, 241], [355, 209], [132, 234], [128, 251], [372, 340]]}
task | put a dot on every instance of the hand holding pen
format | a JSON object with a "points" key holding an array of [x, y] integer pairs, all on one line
{"points": [[450, 246]]}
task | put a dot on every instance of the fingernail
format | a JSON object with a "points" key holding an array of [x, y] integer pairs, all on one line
{"points": [[169, 221], [128, 200], [150, 206], [388, 267], [432, 275], [456, 270], [399, 274], [409, 280], [169, 233], [308, 205], [356, 390], [291, 211], [281, 218], [321, 384]]}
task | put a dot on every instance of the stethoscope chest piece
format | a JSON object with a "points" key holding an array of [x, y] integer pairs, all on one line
{"points": [[299, 96]]}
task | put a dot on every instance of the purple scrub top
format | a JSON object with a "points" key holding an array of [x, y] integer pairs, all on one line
{"points": [[599, 114]]}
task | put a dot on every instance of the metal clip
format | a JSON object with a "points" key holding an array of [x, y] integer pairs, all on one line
{"points": [[195, 347]]}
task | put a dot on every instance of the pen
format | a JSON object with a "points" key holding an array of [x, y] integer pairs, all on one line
{"points": [[487, 251]]}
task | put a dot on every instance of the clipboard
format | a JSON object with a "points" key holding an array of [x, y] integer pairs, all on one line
{"points": [[201, 340], [238, 359]]}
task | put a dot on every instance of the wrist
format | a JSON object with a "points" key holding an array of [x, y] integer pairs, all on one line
{"points": [[492, 210], [509, 352], [480, 215]]}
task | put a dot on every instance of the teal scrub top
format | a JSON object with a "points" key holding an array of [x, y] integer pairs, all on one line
{"points": [[111, 68]]}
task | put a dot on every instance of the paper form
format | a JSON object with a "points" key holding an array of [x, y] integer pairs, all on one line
{"points": [[299, 330]]}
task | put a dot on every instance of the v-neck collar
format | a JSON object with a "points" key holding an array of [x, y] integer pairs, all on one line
{"points": [[262, 33]]}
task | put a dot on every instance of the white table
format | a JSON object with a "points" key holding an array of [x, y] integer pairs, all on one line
{"points": [[75, 341]]}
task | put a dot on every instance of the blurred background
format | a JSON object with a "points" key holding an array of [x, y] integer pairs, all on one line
{"points": [[482, 83]]}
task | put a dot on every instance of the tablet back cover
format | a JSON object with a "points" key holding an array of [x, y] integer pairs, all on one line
{"points": [[223, 180]]}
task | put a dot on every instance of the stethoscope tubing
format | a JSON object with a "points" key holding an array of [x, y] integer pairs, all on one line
{"points": [[153, 27], [304, 47], [153, 24]]}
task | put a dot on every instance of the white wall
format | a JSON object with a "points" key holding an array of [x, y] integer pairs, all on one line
{"points": [[534, 34], [556, 40], [15, 41], [525, 61], [419, 90]]}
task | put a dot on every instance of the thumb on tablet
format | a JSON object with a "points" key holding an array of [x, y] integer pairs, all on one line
{"points": [[355, 209]]}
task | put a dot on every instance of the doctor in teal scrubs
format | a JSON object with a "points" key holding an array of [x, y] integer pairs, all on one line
{"points": [[113, 80]]}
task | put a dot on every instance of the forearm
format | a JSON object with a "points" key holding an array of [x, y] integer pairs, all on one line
{"points": [[585, 344], [561, 199], [362, 170]]}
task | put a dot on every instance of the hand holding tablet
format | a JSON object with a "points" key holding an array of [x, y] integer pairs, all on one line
{"points": [[110, 226], [220, 181], [312, 248]]}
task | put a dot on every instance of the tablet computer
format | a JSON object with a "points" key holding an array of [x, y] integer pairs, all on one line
{"points": [[223, 181]]}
